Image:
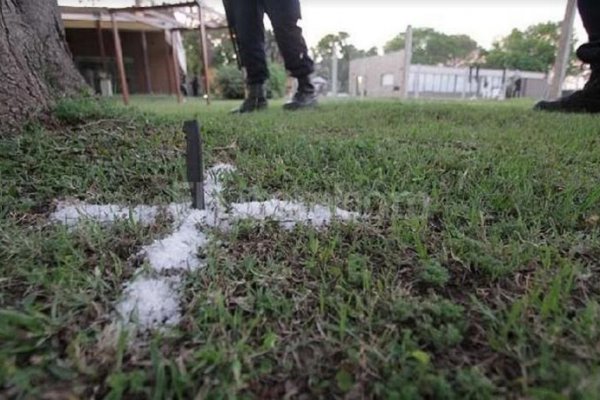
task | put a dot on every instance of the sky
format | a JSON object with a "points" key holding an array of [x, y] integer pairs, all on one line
{"points": [[374, 22]]}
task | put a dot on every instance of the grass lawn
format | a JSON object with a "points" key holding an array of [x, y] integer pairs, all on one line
{"points": [[474, 273]]}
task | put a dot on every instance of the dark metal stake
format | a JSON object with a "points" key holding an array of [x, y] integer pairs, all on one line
{"points": [[195, 165]]}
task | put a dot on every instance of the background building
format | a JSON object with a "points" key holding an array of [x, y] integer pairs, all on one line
{"points": [[384, 76], [378, 76], [148, 40]]}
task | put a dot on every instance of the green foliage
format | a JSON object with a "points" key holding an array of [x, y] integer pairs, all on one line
{"points": [[431, 47], [326, 44], [222, 52], [219, 47], [473, 273], [192, 51], [434, 274], [344, 380], [323, 54], [230, 82], [277, 81], [324, 49], [79, 110], [474, 385], [271, 48], [533, 49]]}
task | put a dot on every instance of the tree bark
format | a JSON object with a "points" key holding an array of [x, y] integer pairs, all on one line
{"points": [[36, 66]]}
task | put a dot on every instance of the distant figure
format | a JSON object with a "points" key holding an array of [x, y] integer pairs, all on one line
{"points": [[195, 86], [320, 85], [183, 86], [517, 88], [247, 18], [510, 88], [586, 100]]}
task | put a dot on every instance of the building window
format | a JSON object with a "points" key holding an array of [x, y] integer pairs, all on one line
{"points": [[387, 80]]}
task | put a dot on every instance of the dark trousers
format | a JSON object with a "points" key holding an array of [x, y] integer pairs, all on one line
{"points": [[284, 15], [590, 14]]}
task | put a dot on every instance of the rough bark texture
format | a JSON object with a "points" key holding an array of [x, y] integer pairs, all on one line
{"points": [[35, 63]]}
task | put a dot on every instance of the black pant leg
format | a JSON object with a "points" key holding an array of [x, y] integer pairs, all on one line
{"points": [[590, 14], [248, 17], [284, 16]]}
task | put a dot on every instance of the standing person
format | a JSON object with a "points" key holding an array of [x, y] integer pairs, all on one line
{"points": [[195, 86], [518, 85], [587, 99], [184, 86], [247, 17]]}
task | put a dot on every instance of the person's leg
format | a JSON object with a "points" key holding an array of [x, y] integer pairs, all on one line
{"points": [[588, 99], [248, 16], [590, 15], [284, 16]]}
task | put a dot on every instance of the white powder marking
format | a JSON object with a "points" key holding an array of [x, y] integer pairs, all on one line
{"points": [[154, 302], [179, 251], [70, 214], [150, 303], [290, 213]]}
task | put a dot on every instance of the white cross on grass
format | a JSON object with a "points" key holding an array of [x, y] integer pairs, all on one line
{"points": [[152, 299]]}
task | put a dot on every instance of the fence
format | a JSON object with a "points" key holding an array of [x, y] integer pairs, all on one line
{"points": [[471, 82]]}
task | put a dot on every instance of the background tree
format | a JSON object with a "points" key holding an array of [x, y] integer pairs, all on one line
{"points": [[220, 50], [36, 66], [533, 49], [346, 52], [324, 48], [431, 47], [229, 82]]}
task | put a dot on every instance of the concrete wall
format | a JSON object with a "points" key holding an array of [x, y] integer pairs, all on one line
{"points": [[535, 88], [430, 81], [85, 48], [378, 76]]}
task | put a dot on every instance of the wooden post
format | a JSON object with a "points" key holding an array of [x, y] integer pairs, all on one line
{"points": [[101, 43], [466, 79], [478, 79], [418, 82], [146, 63], [120, 64], [148, 78], [562, 58], [204, 46], [176, 68], [408, 50], [334, 70], [168, 58]]}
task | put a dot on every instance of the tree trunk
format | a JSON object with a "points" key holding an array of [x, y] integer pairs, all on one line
{"points": [[36, 66]]}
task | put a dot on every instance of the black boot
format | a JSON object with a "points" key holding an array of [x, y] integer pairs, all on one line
{"points": [[256, 100], [305, 96], [586, 100]]}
